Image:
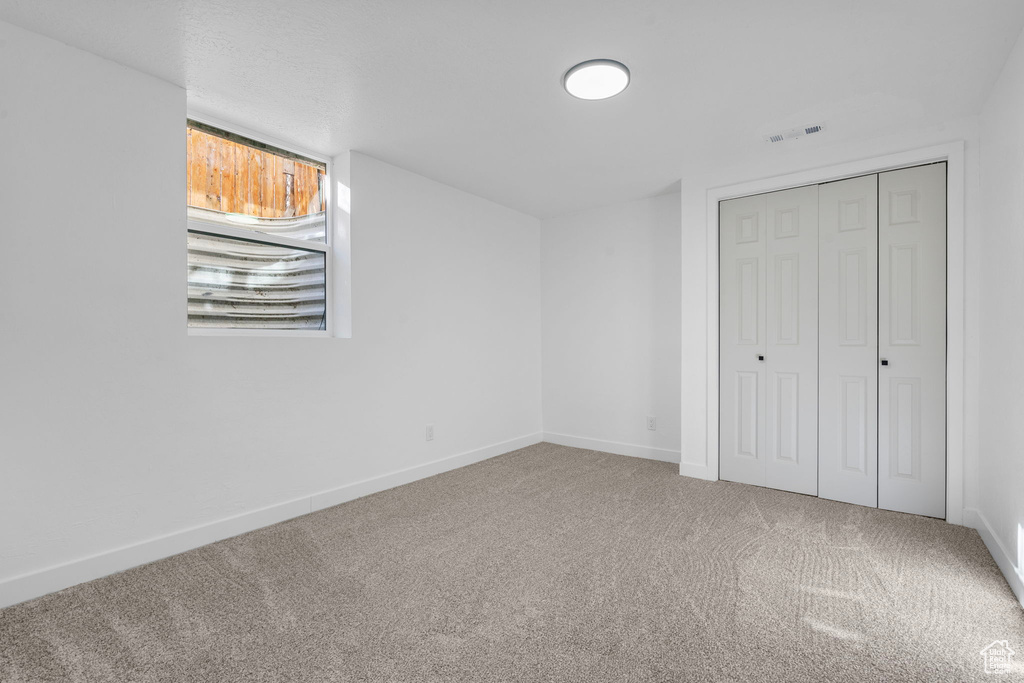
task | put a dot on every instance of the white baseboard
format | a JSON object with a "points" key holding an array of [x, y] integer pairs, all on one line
{"points": [[615, 447], [343, 494], [1014, 574], [39, 583]]}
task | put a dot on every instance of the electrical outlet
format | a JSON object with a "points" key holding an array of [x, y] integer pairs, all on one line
{"points": [[430, 432], [652, 423]]}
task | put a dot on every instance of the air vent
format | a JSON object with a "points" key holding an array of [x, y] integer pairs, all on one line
{"points": [[794, 133]]}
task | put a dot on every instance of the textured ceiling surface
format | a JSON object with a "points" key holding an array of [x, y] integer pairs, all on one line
{"points": [[468, 92]]}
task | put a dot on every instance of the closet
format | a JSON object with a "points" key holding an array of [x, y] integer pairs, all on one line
{"points": [[833, 340]]}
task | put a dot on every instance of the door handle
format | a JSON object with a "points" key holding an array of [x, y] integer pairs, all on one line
{"points": [[885, 361], [760, 357]]}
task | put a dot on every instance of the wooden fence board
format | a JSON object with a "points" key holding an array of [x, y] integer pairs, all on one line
{"points": [[227, 176]]}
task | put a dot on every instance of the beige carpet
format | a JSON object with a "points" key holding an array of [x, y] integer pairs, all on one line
{"points": [[546, 564]]}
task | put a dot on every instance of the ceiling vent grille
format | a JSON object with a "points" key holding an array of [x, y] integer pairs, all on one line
{"points": [[794, 133]]}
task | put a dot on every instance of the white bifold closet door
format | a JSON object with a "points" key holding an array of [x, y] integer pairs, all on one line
{"points": [[769, 344], [882, 407], [742, 226], [912, 340], [833, 340], [848, 341]]}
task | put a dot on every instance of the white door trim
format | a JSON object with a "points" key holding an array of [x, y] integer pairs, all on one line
{"points": [[953, 154]]}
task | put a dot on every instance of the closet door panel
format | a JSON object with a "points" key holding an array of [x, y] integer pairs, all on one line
{"points": [[742, 386], [912, 339], [791, 326], [848, 341]]}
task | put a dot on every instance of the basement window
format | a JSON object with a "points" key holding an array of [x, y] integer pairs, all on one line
{"points": [[258, 252]]}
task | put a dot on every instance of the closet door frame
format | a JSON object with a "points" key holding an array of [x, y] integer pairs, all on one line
{"points": [[953, 154]]}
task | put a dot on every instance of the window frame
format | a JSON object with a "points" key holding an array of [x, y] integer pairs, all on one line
{"points": [[229, 232]]}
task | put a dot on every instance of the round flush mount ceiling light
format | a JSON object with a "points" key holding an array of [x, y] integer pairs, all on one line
{"points": [[596, 79]]}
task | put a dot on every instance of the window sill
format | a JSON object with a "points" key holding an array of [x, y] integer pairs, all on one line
{"points": [[227, 332]]}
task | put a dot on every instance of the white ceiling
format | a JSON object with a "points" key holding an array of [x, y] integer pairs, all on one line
{"points": [[468, 91]]}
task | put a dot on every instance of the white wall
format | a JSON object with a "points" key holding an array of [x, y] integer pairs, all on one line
{"points": [[124, 439], [766, 161], [1001, 325], [611, 324]]}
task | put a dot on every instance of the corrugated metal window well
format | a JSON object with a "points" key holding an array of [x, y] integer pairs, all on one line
{"points": [[257, 235]]}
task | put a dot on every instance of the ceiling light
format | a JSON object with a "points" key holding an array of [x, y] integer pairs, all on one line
{"points": [[597, 79]]}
